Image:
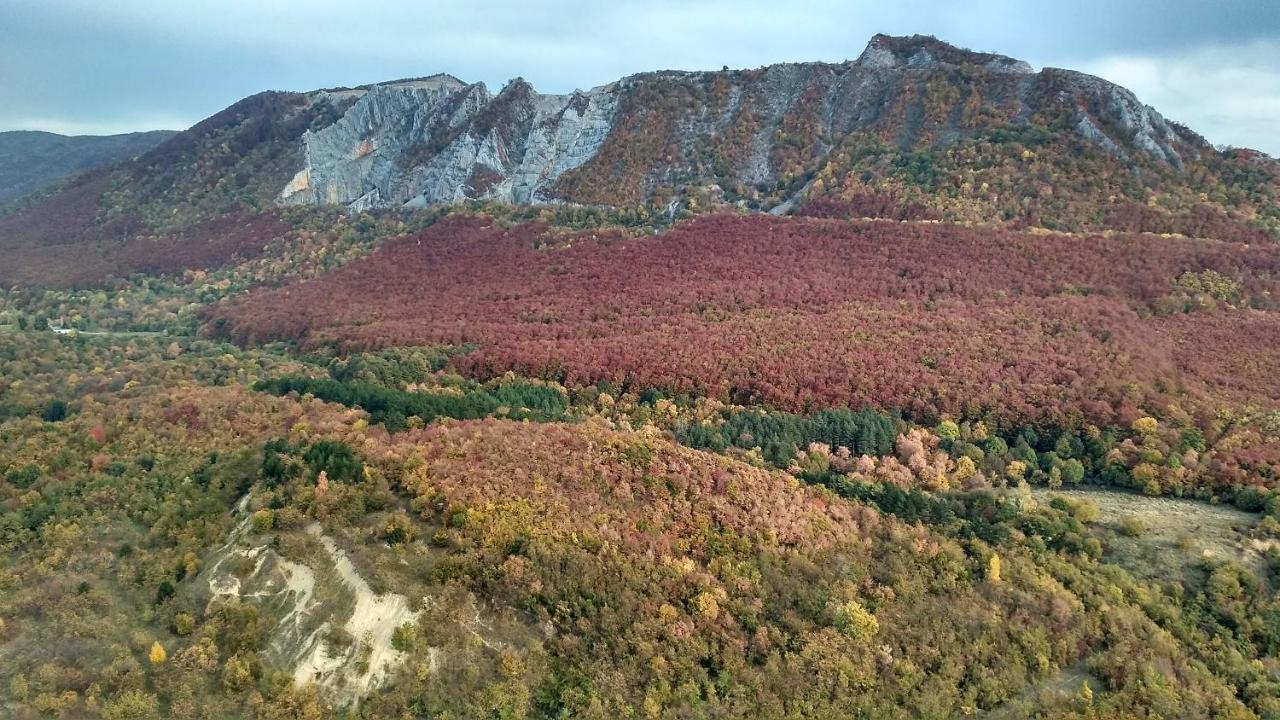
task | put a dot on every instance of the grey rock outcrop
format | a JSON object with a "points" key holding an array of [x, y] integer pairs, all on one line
{"points": [[1144, 127], [441, 140], [433, 140]]}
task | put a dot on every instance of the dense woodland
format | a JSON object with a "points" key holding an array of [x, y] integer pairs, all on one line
{"points": [[737, 467], [623, 573], [1063, 333]]}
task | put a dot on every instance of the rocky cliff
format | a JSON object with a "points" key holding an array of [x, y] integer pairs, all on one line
{"points": [[653, 137], [438, 139]]}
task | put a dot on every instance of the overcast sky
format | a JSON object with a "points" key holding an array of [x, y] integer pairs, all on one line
{"points": [[106, 66]]}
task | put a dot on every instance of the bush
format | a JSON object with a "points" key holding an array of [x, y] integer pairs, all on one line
{"points": [[263, 521], [1252, 498], [132, 705], [1083, 510], [23, 477], [1132, 526], [854, 620], [402, 637], [165, 591]]}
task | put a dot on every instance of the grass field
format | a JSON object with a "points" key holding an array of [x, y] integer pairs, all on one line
{"points": [[1175, 536]]}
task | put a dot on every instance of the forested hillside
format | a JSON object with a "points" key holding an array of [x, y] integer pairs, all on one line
{"points": [[31, 161]]}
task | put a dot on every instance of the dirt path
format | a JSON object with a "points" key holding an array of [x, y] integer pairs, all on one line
{"points": [[105, 333]]}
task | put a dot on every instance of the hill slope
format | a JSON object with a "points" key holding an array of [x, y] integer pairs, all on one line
{"points": [[554, 569], [927, 319], [31, 161]]}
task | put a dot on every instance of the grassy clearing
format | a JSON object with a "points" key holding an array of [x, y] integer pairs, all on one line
{"points": [[1162, 539], [1064, 687]]}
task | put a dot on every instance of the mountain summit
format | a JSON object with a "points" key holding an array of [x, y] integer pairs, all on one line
{"points": [[926, 51], [756, 136]]}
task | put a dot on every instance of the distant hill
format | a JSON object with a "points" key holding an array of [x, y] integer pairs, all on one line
{"points": [[32, 160]]}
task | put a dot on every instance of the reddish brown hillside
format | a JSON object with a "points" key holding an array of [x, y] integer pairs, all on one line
{"points": [[925, 317], [67, 240]]}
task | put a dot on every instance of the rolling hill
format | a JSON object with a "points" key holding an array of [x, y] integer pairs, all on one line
{"points": [[31, 161]]}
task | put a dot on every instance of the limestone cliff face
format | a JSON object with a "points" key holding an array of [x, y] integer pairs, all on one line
{"points": [[440, 140], [650, 137]]}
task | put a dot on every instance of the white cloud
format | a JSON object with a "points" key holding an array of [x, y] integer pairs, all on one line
{"points": [[1231, 95]]}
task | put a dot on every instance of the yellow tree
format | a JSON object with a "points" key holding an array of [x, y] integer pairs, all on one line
{"points": [[993, 568], [856, 621]]}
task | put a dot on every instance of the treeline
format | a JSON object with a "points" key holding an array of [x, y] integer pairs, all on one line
{"points": [[882, 206], [781, 435], [1154, 458], [1201, 220], [982, 514], [399, 409]]}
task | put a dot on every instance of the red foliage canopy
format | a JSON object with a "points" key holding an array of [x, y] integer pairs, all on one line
{"points": [[66, 240], [799, 313]]}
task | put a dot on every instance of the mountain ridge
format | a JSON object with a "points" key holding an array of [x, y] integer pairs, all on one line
{"points": [[913, 122], [31, 160], [353, 158]]}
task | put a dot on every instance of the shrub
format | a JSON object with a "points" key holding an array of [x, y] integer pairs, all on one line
{"points": [[132, 705], [856, 621], [23, 477], [55, 411], [1132, 526], [263, 521]]}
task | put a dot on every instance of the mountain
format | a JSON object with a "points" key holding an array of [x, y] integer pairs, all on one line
{"points": [[965, 136], [31, 160], [978, 136], [758, 135]]}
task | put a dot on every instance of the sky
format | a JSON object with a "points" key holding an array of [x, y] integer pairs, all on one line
{"points": [[108, 66]]}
